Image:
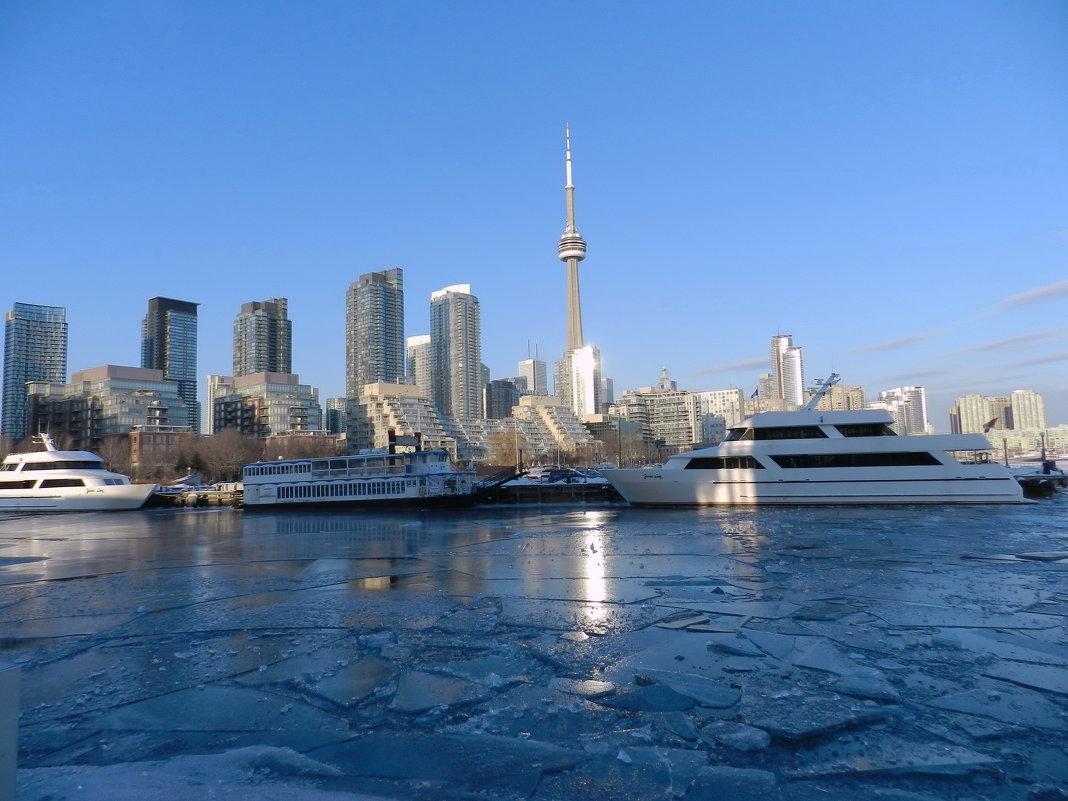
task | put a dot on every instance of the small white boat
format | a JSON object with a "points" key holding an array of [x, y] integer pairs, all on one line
{"points": [[65, 481], [421, 478], [817, 457]]}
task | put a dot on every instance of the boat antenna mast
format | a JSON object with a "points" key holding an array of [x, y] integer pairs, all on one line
{"points": [[824, 387]]}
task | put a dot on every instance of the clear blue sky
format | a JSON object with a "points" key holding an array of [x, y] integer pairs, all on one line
{"points": [[886, 181]]}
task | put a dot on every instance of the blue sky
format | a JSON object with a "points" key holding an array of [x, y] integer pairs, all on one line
{"points": [[886, 181]]}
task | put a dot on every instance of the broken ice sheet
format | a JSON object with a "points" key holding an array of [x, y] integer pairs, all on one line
{"points": [[888, 754], [908, 614], [788, 711], [462, 759], [218, 709], [354, 682], [1014, 705], [1040, 677], [418, 691], [561, 615]]}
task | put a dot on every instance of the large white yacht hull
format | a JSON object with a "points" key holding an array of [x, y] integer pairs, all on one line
{"points": [[968, 484], [116, 497]]}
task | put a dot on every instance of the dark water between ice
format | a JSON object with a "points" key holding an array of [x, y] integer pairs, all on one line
{"points": [[792, 652]]}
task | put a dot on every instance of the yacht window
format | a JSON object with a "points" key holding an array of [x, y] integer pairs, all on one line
{"points": [[866, 430], [791, 432], [63, 465], [50, 483], [6, 467], [9, 485], [737, 434], [337, 464], [724, 463], [900, 459]]}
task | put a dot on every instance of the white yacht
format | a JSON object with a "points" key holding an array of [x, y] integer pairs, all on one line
{"points": [[815, 457], [420, 478], [65, 481]]}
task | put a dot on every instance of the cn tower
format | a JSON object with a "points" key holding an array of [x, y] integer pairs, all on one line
{"points": [[572, 250]]}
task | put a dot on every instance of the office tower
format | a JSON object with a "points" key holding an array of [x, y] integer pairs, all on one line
{"points": [[787, 370], [913, 404], [169, 343], [456, 352], [35, 349], [578, 372], [533, 370], [500, 397], [374, 330], [334, 415], [263, 338], [608, 394], [1028, 410], [418, 359]]}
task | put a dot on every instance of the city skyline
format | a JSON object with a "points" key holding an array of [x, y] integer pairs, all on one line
{"points": [[902, 218]]}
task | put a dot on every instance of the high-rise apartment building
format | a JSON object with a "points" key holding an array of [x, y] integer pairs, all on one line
{"points": [[169, 343], [1028, 410], [716, 411], [374, 330], [787, 370], [263, 338], [35, 349], [980, 414], [578, 380], [418, 364], [839, 399], [912, 402], [456, 352], [533, 370]]}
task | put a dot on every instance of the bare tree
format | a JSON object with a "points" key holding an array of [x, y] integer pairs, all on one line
{"points": [[223, 454], [300, 447], [115, 451], [502, 448]]}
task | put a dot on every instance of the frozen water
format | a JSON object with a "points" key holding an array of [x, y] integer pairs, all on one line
{"points": [[567, 653]]}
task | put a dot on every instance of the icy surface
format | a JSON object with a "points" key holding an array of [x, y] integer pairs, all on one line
{"points": [[588, 653]]}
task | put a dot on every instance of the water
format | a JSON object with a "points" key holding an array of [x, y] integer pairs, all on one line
{"points": [[545, 653]]}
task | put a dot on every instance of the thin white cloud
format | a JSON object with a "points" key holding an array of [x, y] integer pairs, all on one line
{"points": [[1032, 297], [1035, 338], [747, 364], [1049, 358], [901, 342]]}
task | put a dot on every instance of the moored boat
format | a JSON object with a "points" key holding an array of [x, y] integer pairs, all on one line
{"points": [[818, 457], [419, 478], [65, 481]]}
